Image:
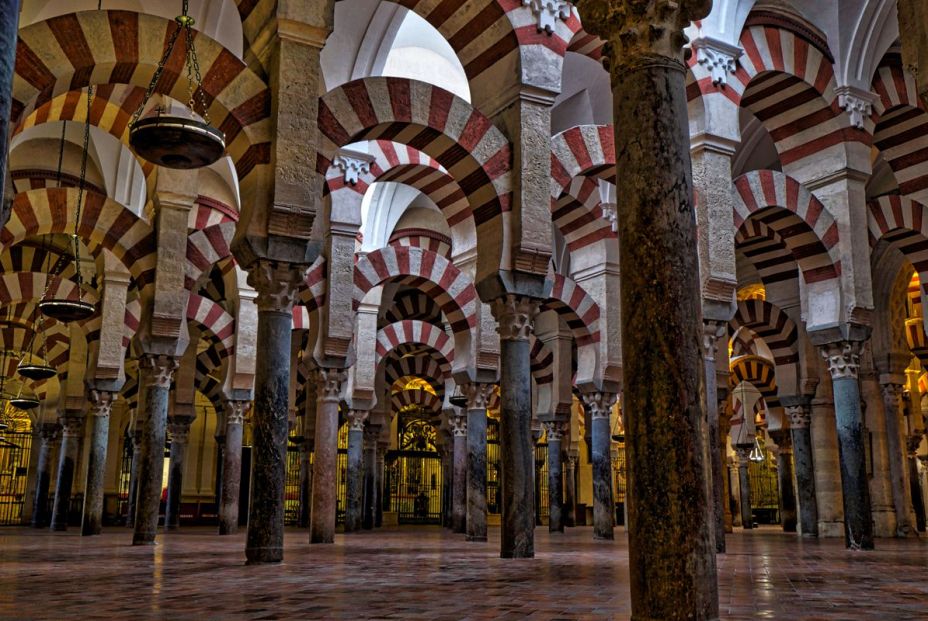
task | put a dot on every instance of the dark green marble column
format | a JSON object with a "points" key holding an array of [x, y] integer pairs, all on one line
{"points": [[72, 428], [179, 432], [49, 437], [477, 396], [92, 519], [354, 485], [232, 467], [600, 407]]}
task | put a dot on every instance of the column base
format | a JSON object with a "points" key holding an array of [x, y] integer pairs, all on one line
{"points": [[59, 527], [610, 536], [143, 540], [475, 538]]}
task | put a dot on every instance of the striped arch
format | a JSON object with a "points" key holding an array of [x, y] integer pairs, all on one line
{"points": [[581, 311], [903, 223], [586, 44], [755, 370], [541, 362], [313, 296], [213, 318], [423, 366], [205, 248], [432, 274], [70, 51], [581, 151], [394, 335], [413, 304], [771, 324], [418, 398], [18, 287], [104, 224], [742, 342], [804, 224], [578, 214], [901, 127], [426, 239], [448, 129], [765, 249]]}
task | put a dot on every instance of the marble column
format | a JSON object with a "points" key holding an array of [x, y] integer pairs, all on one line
{"points": [[71, 429], [600, 406], [570, 489], [555, 431], [477, 396], [49, 438], [671, 536], [379, 481], [355, 484], [800, 422], [459, 478], [178, 431], [734, 484], [896, 450], [724, 429], [92, 519], [843, 362], [277, 285], [306, 481], [325, 456], [785, 479], [918, 504], [157, 371], [134, 477], [371, 493], [744, 486], [515, 316], [9, 27], [447, 474], [232, 467], [712, 330]]}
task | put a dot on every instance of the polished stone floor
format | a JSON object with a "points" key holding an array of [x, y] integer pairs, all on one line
{"points": [[428, 573]]}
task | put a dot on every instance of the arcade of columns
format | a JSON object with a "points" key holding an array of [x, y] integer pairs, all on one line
{"points": [[782, 302]]}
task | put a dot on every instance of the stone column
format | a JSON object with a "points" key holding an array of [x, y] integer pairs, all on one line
{"points": [[355, 483], [476, 522], [459, 477], [570, 489], [785, 479], [724, 429], [379, 480], [92, 519], [555, 431], [371, 493], [800, 421], [232, 467], [515, 316], [843, 362], [918, 505], [734, 485], [277, 285], [71, 430], [306, 481], [600, 406], [157, 371], [48, 438], [744, 486], [179, 430], [134, 477], [711, 332], [447, 473], [895, 446], [325, 457], [9, 26], [670, 530]]}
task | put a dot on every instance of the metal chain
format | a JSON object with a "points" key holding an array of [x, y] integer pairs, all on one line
{"points": [[193, 62], [80, 193], [64, 127], [157, 76]]}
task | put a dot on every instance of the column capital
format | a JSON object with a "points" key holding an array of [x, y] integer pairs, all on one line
{"points": [[555, 430], [711, 332], [160, 368], [718, 57], [783, 440], [356, 419], [912, 442], [892, 395], [49, 433], [800, 416], [477, 395], [458, 425], [600, 403], [235, 411], [102, 402], [842, 358], [179, 428], [743, 454], [636, 29], [71, 426], [276, 283], [515, 316], [330, 382], [371, 434]]}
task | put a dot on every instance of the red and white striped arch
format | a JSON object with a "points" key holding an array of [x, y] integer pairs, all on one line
{"points": [[422, 366], [578, 214], [18, 287], [448, 129], [584, 150], [415, 397], [803, 223], [902, 222], [426, 239], [212, 317], [765, 249], [394, 335], [429, 272], [771, 324], [581, 311], [313, 296], [541, 362], [205, 248]]}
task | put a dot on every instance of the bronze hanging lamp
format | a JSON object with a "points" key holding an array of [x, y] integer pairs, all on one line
{"points": [[31, 366], [63, 309], [171, 140]]}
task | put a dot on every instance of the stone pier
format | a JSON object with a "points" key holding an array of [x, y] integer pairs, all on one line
{"points": [[330, 383]]}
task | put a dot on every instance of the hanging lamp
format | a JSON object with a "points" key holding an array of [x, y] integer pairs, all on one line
{"points": [[24, 401], [28, 367], [757, 454], [171, 140], [63, 309]]}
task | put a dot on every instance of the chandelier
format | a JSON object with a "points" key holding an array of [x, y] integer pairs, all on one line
{"points": [[757, 454], [171, 140], [31, 365], [64, 309]]}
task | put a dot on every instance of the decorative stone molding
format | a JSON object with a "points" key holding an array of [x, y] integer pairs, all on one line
{"points": [[371, 435], [235, 412], [49, 433], [611, 215], [330, 383], [179, 428], [800, 416], [351, 167], [277, 284], [548, 12], [71, 426], [102, 401], [719, 58], [912, 442], [857, 102], [477, 395], [515, 316], [842, 359], [160, 369], [458, 426], [600, 403], [555, 430], [711, 331], [356, 419], [743, 453], [892, 396]]}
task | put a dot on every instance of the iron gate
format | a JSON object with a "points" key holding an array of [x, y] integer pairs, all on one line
{"points": [[15, 449], [765, 489], [415, 486]]}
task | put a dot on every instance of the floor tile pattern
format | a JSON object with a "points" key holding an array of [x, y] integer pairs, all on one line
{"points": [[428, 573]]}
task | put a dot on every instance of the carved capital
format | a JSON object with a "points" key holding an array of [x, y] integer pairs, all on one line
{"points": [[351, 167], [277, 284], [235, 412], [547, 12], [71, 426], [633, 29], [611, 215], [783, 440], [711, 331], [857, 103], [515, 316], [458, 426], [371, 435], [555, 430], [892, 396], [179, 428], [743, 453], [102, 401], [800, 416], [330, 383], [912, 442], [842, 359], [477, 395], [600, 403], [356, 419], [159, 369], [49, 433], [718, 58]]}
